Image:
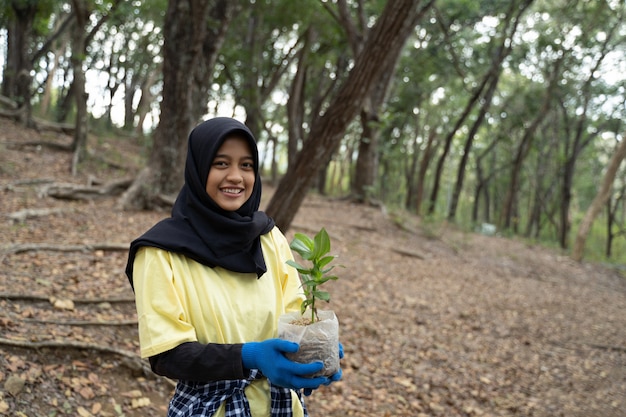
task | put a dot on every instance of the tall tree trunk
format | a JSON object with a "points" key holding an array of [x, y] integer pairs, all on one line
{"points": [[427, 158], [385, 43], [601, 198], [185, 29], [79, 144], [46, 100], [295, 101], [220, 15], [579, 143], [524, 147], [366, 170], [367, 157], [448, 142], [482, 183], [129, 94], [410, 174], [503, 50], [458, 186], [544, 183], [612, 209], [17, 80], [143, 107]]}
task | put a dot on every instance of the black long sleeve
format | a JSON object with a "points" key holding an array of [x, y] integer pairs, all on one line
{"points": [[194, 361]]}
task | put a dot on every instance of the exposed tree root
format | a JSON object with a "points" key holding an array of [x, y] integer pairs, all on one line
{"points": [[82, 322], [34, 247], [30, 297], [129, 359], [55, 344], [82, 192], [21, 215]]}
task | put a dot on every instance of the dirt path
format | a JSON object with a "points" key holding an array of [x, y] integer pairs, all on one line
{"points": [[434, 322]]}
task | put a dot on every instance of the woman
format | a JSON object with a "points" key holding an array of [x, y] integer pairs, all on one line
{"points": [[210, 283]]}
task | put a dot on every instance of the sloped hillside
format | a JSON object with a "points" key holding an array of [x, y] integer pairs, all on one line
{"points": [[434, 322]]}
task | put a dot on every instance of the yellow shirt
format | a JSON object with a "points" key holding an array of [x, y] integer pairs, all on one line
{"points": [[180, 300]]}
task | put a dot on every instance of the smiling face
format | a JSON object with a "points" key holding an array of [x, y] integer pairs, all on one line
{"points": [[232, 174]]}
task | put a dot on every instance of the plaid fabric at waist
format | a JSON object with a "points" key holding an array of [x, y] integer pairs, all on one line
{"points": [[195, 399]]}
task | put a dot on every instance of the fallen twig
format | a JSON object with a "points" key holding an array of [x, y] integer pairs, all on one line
{"points": [[410, 253], [608, 347]]}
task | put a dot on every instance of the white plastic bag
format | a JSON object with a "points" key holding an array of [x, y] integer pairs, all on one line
{"points": [[318, 341]]}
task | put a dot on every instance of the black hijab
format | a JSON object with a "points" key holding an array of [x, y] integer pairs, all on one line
{"points": [[198, 227]]}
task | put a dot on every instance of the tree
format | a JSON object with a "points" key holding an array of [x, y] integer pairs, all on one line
{"points": [[81, 14], [524, 145], [481, 96], [357, 33], [184, 71], [21, 21], [579, 137], [384, 44], [80, 38], [502, 50], [613, 218], [601, 198]]}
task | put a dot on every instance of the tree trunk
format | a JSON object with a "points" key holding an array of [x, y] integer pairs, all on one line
{"points": [[367, 161], [482, 184], [424, 164], [143, 107], [17, 80], [448, 142], [601, 198], [295, 101], [503, 50], [367, 157], [612, 218], [544, 183], [579, 143], [486, 103], [185, 29], [410, 174], [219, 16], [524, 147], [384, 44], [79, 144], [49, 85]]}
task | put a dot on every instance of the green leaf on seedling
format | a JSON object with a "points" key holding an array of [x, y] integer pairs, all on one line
{"points": [[301, 269], [325, 261], [315, 251], [322, 295]]}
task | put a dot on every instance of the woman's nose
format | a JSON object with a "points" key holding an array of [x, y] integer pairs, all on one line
{"points": [[234, 175]]}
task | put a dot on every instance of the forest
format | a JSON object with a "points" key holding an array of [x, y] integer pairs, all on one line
{"points": [[502, 116], [467, 158]]}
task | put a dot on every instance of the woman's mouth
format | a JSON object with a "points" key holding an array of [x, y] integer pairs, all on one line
{"points": [[232, 190]]}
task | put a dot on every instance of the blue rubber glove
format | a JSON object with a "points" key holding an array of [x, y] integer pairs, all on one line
{"points": [[269, 357], [337, 375], [334, 378]]}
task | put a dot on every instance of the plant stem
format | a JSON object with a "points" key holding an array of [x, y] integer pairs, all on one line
{"points": [[313, 307]]}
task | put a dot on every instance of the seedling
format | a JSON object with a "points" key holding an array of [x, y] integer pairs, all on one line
{"points": [[315, 252]]}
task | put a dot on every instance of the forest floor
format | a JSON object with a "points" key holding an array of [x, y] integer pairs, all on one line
{"points": [[434, 321]]}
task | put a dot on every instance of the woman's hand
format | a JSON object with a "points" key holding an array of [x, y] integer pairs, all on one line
{"points": [[269, 357], [334, 378]]}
